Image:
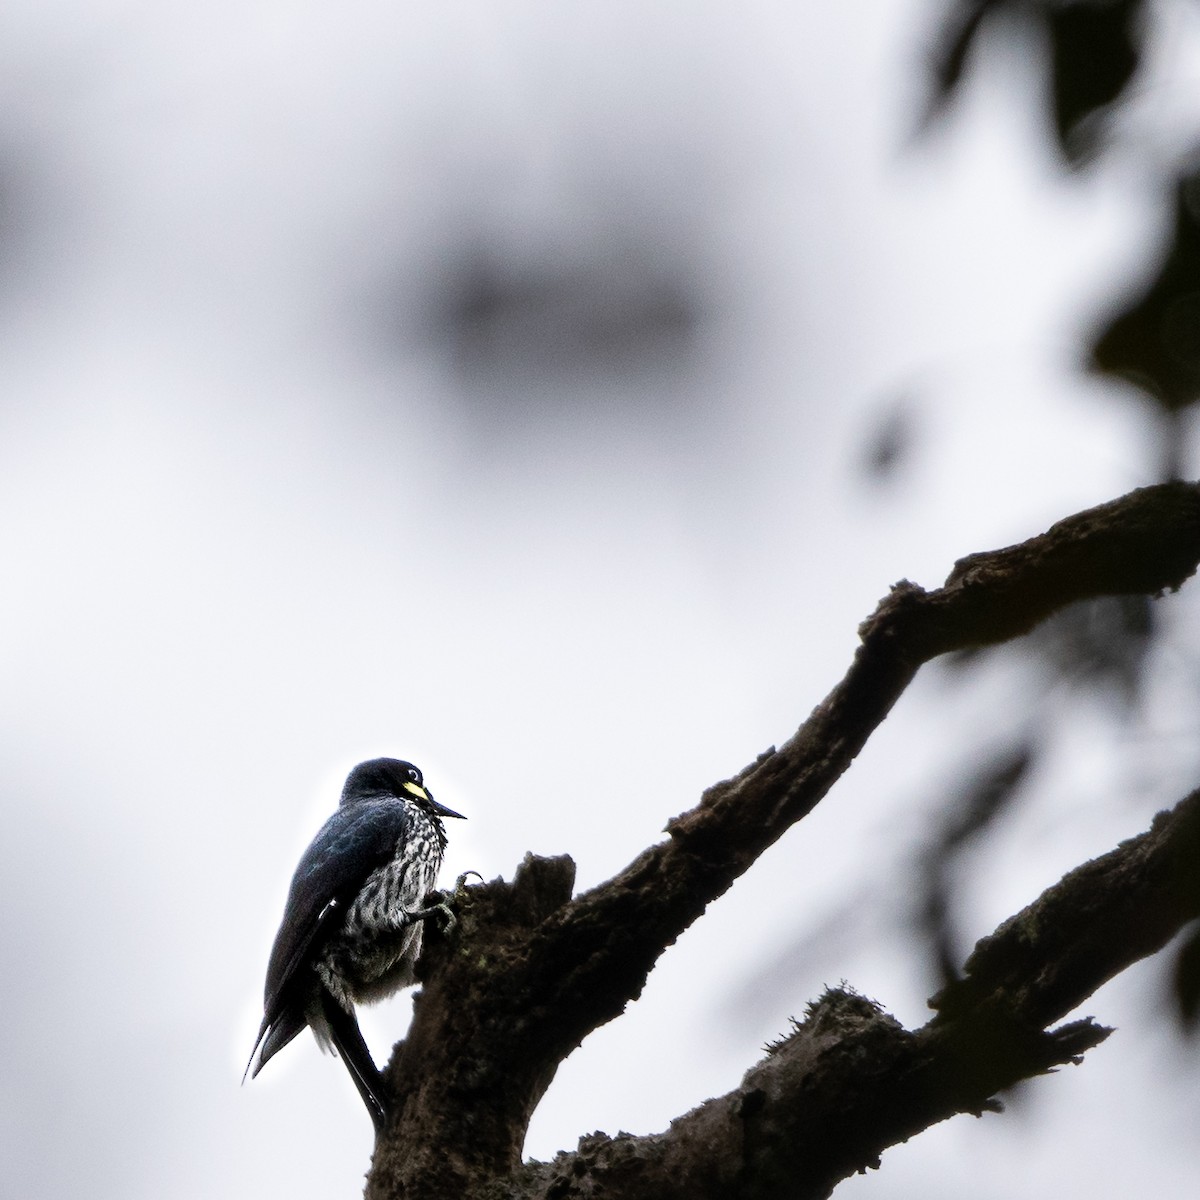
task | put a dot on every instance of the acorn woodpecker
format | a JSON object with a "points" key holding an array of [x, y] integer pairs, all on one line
{"points": [[352, 925]]}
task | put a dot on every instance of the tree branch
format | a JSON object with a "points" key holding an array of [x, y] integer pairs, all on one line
{"points": [[531, 972], [600, 949], [849, 1081]]}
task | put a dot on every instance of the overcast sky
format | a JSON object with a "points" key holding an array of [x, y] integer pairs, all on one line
{"points": [[489, 385]]}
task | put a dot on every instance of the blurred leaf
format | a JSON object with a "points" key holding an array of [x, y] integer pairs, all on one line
{"points": [[1187, 982], [1155, 341], [889, 442], [1096, 46], [605, 307], [1095, 49], [1101, 645], [955, 40], [971, 809], [1098, 645], [985, 795]]}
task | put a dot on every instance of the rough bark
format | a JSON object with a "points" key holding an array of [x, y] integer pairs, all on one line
{"points": [[530, 971], [849, 1080]]}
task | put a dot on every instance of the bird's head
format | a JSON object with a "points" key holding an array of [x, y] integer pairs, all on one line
{"points": [[392, 777]]}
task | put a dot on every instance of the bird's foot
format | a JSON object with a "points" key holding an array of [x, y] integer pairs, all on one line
{"points": [[460, 884], [461, 897], [441, 910]]}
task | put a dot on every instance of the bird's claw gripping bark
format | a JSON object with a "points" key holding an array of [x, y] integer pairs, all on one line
{"points": [[460, 884], [443, 911], [460, 896]]}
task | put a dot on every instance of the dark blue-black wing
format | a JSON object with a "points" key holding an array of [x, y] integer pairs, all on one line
{"points": [[350, 845]]}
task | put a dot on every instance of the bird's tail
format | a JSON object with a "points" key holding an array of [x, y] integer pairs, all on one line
{"points": [[348, 1039], [273, 1034]]}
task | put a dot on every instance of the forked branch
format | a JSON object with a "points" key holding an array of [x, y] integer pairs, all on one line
{"points": [[531, 971]]}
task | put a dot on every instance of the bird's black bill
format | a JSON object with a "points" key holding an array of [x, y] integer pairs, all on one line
{"points": [[443, 811]]}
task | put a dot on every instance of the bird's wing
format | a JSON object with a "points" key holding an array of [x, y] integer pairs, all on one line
{"points": [[350, 845]]}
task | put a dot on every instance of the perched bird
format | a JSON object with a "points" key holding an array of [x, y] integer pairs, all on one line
{"points": [[352, 925]]}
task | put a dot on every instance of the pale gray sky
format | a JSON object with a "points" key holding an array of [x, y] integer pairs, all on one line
{"points": [[486, 384]]}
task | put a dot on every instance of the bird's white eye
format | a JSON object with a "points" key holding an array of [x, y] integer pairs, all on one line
{"points": [[414, 774]]}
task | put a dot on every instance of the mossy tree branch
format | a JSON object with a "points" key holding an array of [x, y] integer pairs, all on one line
{"points": [[531, 971]]}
